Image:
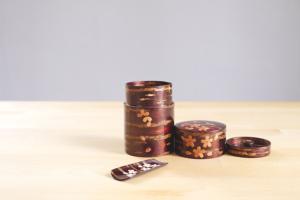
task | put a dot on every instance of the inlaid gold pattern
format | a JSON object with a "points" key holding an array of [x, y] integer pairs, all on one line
{"points": [[161, 123], [149, 137], [145, 117], [207, 141], [198, 152], [189, 141]]}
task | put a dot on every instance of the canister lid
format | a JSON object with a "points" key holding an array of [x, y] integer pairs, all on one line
{"points": [[250, 147], [200, 126], [138, 86], [149, 93]]}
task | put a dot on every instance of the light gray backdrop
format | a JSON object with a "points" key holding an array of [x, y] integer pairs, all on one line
{"points": [[210, 50]]}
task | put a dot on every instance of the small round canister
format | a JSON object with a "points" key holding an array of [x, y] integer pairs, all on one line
{"points": [[248, 147], [200, 139]]}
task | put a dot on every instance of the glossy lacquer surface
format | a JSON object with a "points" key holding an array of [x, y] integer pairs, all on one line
{"points": [[200, 139], [149, 118]]}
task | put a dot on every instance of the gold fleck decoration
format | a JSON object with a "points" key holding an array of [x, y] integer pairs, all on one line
{"points": [[252, 154], [150, 95], [198, 152], [206, 142], [142, 113], [188, 153], [144, 99], [189, 141], [199, 127], [203, 128], [209, 153], [190, 126], [145, 117], [143, 138], [216, 137]]}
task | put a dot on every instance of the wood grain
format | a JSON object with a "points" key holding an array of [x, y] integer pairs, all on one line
{"points": [[65, 150]]}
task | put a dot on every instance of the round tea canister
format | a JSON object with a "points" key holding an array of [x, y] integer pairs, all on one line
{"points": [[200, 139]]}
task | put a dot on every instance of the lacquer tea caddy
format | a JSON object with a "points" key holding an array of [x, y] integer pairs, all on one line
{"points": [[200, 139], [149, 118]]}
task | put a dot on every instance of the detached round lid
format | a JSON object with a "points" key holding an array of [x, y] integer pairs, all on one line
{"points": [[200, 126], [249, 147]]}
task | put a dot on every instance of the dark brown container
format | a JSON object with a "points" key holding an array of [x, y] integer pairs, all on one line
{"points": [[200, 139], [149, 93], [149, 118], [248, 147]]}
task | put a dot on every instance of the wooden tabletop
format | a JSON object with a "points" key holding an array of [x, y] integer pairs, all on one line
{"points": [[65, 150]]}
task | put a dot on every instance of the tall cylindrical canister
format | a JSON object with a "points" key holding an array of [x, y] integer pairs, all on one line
{"points": [[149, 118]]}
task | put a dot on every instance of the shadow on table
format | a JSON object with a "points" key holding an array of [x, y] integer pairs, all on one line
{"points": [[112, 145]]}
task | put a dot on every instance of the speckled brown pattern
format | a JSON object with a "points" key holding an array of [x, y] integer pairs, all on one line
{"points": [[149, 93], [149, 124], [200, 139], [249, 147]]}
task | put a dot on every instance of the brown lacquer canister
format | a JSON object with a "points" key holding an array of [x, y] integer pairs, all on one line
{"points": [[200, 139], [149, 118], [248, 147]]}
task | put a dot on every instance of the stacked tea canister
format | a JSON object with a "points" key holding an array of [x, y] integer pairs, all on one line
{"points": [[150, 129], [149, 118]]}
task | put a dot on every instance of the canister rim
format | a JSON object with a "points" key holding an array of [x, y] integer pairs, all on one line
{"points": [[146, 84], [239, 142], [200, 126]]}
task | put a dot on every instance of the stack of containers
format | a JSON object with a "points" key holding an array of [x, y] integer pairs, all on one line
{"points": [[149, 118]]}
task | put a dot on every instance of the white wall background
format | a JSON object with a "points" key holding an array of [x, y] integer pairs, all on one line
{"points": [[210, 50]]}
